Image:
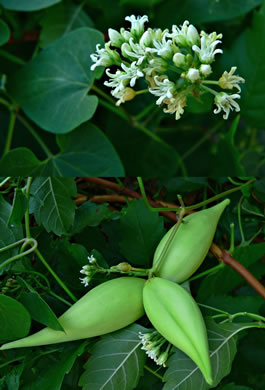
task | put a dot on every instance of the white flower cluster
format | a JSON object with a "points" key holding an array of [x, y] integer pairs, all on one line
{"points": [[88, 270], [152, 343], [174, 65]]}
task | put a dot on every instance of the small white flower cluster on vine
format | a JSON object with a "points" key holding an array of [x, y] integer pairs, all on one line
{"points": [[174, 64], [88, 270], [152, 343]]}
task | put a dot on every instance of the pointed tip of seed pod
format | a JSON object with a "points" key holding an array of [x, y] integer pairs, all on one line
{"points": [[209, 379]]}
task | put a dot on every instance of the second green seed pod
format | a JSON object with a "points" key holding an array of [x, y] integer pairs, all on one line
{"points": [[177, 317], [190, 245]]}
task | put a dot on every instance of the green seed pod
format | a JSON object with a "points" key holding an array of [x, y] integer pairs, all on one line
{"points": [[190, 245], [108, 307], [176, 316]]}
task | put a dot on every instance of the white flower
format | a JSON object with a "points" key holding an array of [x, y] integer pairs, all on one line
{"points": [[205, 69], [116, 81], [124, 95], [161, 360], [165, 88], [137, 24], [85, 281], [105, 57], [207, 50], [193, 75], [131, 73], [229, 80], [226, 103], [162, 47], [91, 260], [176, 104], [186, 35], [134, 50]]}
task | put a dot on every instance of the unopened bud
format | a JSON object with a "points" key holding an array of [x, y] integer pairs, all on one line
{"points": [[205, 70], [179, 59], [193, 75], [115, 38]]}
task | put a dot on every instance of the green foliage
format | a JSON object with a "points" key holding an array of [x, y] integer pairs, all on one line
{"points": [[51, 203], [117, 361], [249, 55], [4, 32], [27, 5], [141, 232], [52, 88], [14, 319]]}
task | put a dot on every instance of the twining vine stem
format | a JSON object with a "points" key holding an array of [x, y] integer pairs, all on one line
{"points": [[221, 254]]}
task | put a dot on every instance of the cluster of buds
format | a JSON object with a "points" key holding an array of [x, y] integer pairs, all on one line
{"points": [[174, 65], [89, 270], [152, 343]]}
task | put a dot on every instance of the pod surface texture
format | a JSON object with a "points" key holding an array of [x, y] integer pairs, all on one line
{"points": [[106, 308], [177, 317], [190, 245]]}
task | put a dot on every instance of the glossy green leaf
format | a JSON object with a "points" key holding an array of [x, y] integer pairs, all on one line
{"points": [[89, 214], [182, 372], [14, 319], [4, 32], [52, 204], [86, 151], [50, 376], [38, 308], [248, 52], [52, 88], [201, 11], [141, 230], [18, 207], [117, 361], [60, 20], [27, 5]]}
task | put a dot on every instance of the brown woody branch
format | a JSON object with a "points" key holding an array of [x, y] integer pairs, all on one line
{"points": [[219, 253]]}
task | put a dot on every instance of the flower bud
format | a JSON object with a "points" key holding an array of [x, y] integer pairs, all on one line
{"points": [[146, 38], [126, 35], [179, 59], [205, 70], [193, 75], [115, 38], [193, 37]]}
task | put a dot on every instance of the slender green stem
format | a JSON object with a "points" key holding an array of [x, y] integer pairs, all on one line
{"points": [[10, 132], [236, 183], [5, 180], [56, 277], [174, 231], [209, 82], [209, 89], [12, 361], [20, 255], [174, 69], [201, 141], [103, 94], [150, 134], [112, 108], [5, 103], [243, 241], [197, 205], [213, 308], [145, 111], [244, 314], [27, 193], [35, 135], [207, 272], [11, 57], [153, 372], [232, 238], [13, 245], [142, 91]]}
